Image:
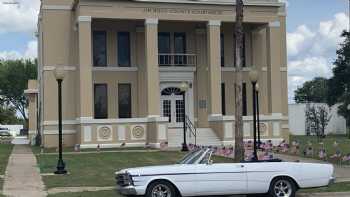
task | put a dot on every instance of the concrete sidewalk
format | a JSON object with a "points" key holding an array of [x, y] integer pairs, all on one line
{"points": [[22, 178]]}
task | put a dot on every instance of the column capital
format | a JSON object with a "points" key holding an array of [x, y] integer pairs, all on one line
{"points": [[214, 23], [84, 19], [151, 21]]}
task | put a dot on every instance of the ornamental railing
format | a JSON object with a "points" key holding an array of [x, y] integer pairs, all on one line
{"points": [[167, 59], [192, 129]]}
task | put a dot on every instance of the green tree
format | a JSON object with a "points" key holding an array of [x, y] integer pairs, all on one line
{"points": [[340, 82], [315, 91], [14, 76]]}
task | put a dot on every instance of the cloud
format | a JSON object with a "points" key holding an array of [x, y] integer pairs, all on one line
{"points": [[31, 52], [18, 18], [311, 52]]}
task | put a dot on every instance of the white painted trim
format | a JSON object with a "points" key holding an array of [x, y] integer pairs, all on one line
{"points": [[215, 117], [67, 68], [177, 69], [84, 19], [151, 21], [114, 145], [264, 68], [31, 91], [155, 145], [115, 68], [228, 69], [275, 24], [57, 7], [214, 23], [87, 132], [176, 76], [64, 122], [55, 132], [283, 69]]}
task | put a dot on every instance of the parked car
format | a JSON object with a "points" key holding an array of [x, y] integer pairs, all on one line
{"points": [[196, 175]]}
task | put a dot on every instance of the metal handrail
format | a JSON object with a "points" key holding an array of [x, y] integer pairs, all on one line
{"points": [[192, 129], [177, 59]]}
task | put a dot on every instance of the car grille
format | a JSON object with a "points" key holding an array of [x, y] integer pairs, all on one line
{"points": [[123, 180]]}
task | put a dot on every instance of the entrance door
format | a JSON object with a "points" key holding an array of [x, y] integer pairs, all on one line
{"points": [[172, 106]]}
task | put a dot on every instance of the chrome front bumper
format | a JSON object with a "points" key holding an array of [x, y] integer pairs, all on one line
{"points": [[331, 180], [128, 190]]}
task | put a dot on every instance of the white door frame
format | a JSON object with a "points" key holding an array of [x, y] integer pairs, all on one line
{"points": [[188, 96]]}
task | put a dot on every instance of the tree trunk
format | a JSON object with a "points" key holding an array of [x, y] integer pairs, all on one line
{"points": [[239, 145]]}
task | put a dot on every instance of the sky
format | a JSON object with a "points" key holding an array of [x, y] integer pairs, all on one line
{"points": [[313, 35]]}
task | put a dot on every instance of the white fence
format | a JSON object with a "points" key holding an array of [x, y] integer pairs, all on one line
{"points": [[297, 120]]}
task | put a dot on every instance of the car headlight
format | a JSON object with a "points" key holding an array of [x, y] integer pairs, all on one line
{"points": [[124, 179]]}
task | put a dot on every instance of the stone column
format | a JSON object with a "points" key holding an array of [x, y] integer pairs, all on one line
{"points": [[32, 96], [214, 68], [274, 63], [152, 68], [85, 68]]}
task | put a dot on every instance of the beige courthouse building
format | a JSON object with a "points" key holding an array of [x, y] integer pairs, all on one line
{"points": [[125, 61]]}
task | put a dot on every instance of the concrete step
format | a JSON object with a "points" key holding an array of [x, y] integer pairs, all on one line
{"points": [[205, 136]]}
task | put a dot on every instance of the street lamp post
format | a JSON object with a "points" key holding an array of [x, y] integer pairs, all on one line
{"points": [[348, 107], [253, 75], [184, 87], [60, 74], [258, 113]]}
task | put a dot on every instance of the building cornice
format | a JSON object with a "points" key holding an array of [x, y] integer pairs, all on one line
{"points": [[274, 3], [57, 7]]}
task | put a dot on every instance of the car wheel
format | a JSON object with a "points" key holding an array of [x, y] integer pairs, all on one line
{"points": [[161, 189], [282, 187]]}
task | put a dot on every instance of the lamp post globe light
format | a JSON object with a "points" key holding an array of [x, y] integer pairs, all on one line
{"points": [[59, 75], [258, 113], [253, 76], [184, 87]]}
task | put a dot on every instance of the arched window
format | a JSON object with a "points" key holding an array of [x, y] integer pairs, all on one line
{"points": [[171, 91]]}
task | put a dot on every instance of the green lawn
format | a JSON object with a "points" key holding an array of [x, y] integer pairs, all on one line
{"points": [[342, 140], [5, 151], [37, 149], [97, 169]]}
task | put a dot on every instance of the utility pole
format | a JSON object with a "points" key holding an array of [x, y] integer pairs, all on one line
{"points": [[239, 144]]}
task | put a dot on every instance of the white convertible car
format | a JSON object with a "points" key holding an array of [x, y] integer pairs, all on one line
{"points": [[197, 175]]}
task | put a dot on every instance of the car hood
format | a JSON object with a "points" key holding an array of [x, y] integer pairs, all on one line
{"points": [[155, 170]]}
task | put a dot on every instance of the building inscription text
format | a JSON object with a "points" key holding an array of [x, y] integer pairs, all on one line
{"points": [[182, 11]]}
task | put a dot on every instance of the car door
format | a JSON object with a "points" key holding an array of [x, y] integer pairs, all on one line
{"points": [[260, 174], [221, 179]]}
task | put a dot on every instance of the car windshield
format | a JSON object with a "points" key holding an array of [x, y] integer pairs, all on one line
{"points": [[197, 156]]}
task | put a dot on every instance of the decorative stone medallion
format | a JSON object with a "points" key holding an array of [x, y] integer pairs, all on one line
{"points": [[104, 133], [263, 129], [138, 132]]}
